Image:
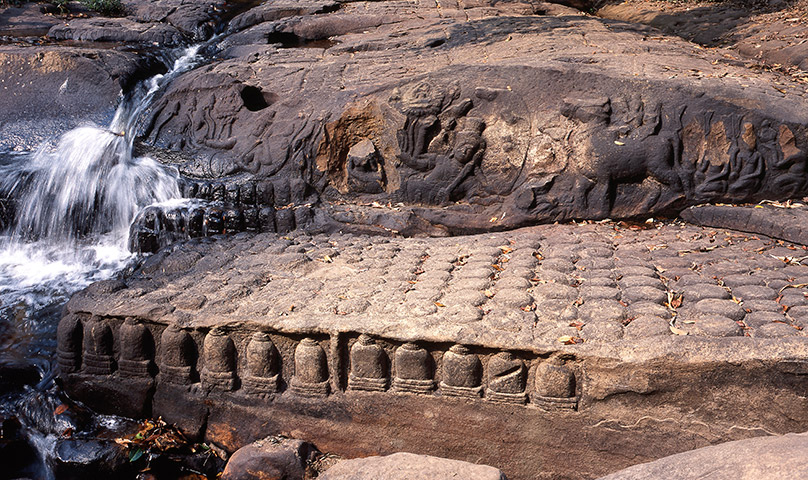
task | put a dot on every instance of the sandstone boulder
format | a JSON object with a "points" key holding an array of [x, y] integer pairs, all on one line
{"points": [[270, 459], [485, 116], [752, 459], [408, 466]]}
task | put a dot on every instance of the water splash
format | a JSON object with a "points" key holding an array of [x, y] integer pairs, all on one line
{"points": [[69, 207]]}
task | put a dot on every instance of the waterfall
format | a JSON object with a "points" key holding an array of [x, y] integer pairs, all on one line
{"points": [[69, 206]]}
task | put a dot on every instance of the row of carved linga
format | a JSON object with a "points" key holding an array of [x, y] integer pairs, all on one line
{"points": [[88, 347]]}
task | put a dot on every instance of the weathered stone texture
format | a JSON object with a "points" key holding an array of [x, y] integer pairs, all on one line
{"points": [[479, 118], [453, 346], [764, 457], [407, 466]]}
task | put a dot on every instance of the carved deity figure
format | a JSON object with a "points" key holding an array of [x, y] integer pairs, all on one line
{"points": [[365, 172], [440, 147], [442, 177]]}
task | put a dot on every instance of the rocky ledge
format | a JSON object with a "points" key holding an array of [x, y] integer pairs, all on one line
{"points": [[474, 116], [609, 343]]}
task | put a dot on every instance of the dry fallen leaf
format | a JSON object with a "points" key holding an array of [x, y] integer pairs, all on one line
{"points": [[60, 409], [438, 304], [678, 331]]}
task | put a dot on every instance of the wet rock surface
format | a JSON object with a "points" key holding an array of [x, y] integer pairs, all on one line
{"points": [[48, 90], [360, 343]]}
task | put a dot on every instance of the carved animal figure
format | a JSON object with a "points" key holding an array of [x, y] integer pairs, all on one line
{"points": [[626, 152]]}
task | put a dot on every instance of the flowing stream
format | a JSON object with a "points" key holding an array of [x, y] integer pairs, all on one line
{"points": [[70, 205]]}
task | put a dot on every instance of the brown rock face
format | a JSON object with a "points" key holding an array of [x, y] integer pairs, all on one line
{"points": [[270, 459], [764, 457], [484, 117]]}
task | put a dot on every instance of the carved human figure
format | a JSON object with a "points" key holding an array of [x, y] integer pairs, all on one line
{"points": [[444, 176], [462, 373], [263, 365], [311, 370], [98, 347], [422, 103], [69, 343], [137, 349], [791, 167], [746, 163], [219, 370], [369, 366], [365, 172]]}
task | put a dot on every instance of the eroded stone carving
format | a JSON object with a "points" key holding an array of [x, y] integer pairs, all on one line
{"points": [[364, 168], [462, 373], [414, 368], [263, 365], [69, 344], [507, 379], [177, 356], [555, 386], [219, 370], [369, 366], [439, 145], [98, 347], [137, 349], [311, 370], [628, 143]]}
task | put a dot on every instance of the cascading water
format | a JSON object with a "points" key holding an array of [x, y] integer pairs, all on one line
{"points": [[71, 204]]}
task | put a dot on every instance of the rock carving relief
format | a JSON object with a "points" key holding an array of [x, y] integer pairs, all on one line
{"points": [[353, 149], [244, 363], [440, 146], [624, 141], [632, 158]]}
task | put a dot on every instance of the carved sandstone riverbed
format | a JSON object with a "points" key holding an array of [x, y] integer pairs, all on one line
{"points": [[517, 349]]}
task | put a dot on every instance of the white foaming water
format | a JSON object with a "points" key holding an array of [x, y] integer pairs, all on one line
{"points": [[73, 201]]}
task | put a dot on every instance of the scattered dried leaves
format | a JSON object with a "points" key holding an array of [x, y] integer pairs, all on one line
{"points": [[156, 436]]}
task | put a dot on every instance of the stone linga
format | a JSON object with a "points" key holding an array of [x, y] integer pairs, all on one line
{"points": [[486, 117]]}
